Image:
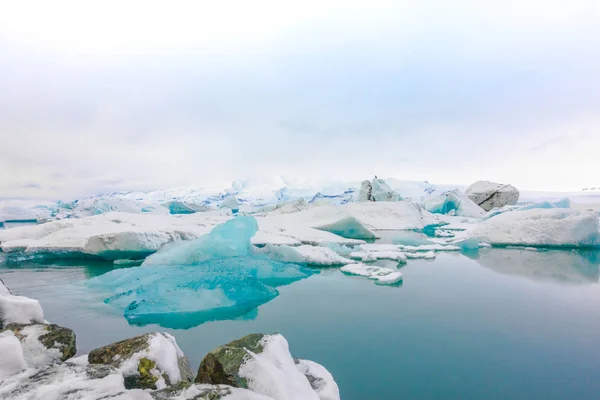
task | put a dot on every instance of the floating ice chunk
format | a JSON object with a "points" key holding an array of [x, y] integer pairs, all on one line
{"points": [[185, 296], [381, 275], [311, 255], [540, 227], [428, 247], [453, 202], [13, 360], [429, 255], [182, 297], [320, 379], [274, 373], [230, 239], [379, 255], [489, 195]]}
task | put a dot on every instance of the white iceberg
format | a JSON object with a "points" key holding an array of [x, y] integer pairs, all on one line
{"points": [[558, 227], [381, 275]]}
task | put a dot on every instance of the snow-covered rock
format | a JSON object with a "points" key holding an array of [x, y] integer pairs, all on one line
{"points": [[150, 361], [13, 360], [381, 275], [540, 227], [18, 309], [44, 344], [490, 194], [320, 379], [263, 364]]}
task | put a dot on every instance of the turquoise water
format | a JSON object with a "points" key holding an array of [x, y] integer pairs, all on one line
{"points": [[507, 324]]}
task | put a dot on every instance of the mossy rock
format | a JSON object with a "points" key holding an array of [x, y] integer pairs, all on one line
{"points": [[221, 365], [148, 373], [114, 353], [55, 337]]}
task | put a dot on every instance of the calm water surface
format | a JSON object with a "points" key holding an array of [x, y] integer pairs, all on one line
{"points": [[506, 324]]}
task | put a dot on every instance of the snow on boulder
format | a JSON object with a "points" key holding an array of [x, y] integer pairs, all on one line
{"points": [[540, 227], [263, 364], [381, 275], [489, 195], [18, 309], [13, 360], [150, 361], [320, 379], [44, 344]]}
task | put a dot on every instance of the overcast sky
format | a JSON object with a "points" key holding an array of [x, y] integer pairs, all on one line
{"points": [[133, 95]]}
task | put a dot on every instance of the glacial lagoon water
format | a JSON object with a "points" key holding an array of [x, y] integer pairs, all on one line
{"points": [[505, 323]]}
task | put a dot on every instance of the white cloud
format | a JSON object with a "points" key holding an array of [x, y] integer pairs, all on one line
{"points": [[140, 95]]}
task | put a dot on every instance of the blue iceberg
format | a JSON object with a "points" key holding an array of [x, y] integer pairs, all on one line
{"points": [[217, 276], [230, 239]]}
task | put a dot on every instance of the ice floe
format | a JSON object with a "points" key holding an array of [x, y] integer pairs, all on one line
{"points": [[381, 275], [540, 227]]}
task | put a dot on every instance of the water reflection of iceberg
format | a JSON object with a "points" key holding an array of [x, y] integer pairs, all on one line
{"points": [[560, 266]]}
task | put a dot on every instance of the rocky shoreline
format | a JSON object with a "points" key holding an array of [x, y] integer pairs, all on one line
{"points": [[38, 363]]}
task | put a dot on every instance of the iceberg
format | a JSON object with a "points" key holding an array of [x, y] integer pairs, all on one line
{"points": [[217, 276], [377, 190], [381, 275], [229, 239], [555, 227], [181, 297], [453, 202]]}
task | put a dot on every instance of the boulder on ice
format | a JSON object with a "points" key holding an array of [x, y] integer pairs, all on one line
{"points": [[489, 195], [555, 227]]}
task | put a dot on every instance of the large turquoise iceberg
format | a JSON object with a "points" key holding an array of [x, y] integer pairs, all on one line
{"points": [[217, 276]]}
